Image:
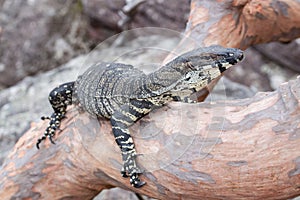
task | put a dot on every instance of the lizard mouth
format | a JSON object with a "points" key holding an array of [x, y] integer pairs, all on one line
{"points": [[230, 60]]}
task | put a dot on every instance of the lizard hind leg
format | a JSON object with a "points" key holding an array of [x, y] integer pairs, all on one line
{"points": [[59, 98]]}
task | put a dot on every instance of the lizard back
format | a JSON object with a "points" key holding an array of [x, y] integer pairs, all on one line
{"points": [[104, 87]]}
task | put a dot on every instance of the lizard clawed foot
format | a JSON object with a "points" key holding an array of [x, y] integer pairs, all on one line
{"points": [[52, 127], [135, 181], [130, 169], [43, 138], [134, 178]]}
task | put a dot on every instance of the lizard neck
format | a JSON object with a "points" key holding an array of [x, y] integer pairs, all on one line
{"points": [[163, 79]]}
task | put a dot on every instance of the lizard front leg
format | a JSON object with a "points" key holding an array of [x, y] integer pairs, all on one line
{"points": [[120, 121], [60, 97]]}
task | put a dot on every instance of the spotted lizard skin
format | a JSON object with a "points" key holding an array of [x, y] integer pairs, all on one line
{"points": [[124, 94]]}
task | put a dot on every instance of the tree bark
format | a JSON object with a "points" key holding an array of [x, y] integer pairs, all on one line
{"points": [[227, 150], [242, 23]]}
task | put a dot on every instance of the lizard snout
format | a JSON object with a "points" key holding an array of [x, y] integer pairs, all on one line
{"points": [[239, 55]]}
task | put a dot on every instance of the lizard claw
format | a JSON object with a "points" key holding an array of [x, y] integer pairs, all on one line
{"points": [[45, 117], [51, 139], [39, 141]]}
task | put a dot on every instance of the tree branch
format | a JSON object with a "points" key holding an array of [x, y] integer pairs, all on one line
{"points": [[237, 149], [242, 23]]}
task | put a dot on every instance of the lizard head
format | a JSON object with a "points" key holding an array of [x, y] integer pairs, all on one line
{"points": [[200, 66], [209, 58]]}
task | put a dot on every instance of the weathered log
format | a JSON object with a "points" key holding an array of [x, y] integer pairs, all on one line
{"points": [[234, 150]]}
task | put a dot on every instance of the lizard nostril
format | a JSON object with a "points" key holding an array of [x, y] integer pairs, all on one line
{"points": [[240, 56]]}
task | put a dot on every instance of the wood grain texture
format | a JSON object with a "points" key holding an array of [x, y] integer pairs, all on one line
{"points": [[226, 150]]}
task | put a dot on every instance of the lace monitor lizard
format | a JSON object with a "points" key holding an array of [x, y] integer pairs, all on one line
{"points": [[123, 94]]}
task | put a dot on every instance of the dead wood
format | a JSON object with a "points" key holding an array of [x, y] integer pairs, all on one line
{"points": [[242, 23], [232, 150]]}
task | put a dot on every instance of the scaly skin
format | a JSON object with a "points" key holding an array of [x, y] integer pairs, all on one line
{"points": [[124, 94]]}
